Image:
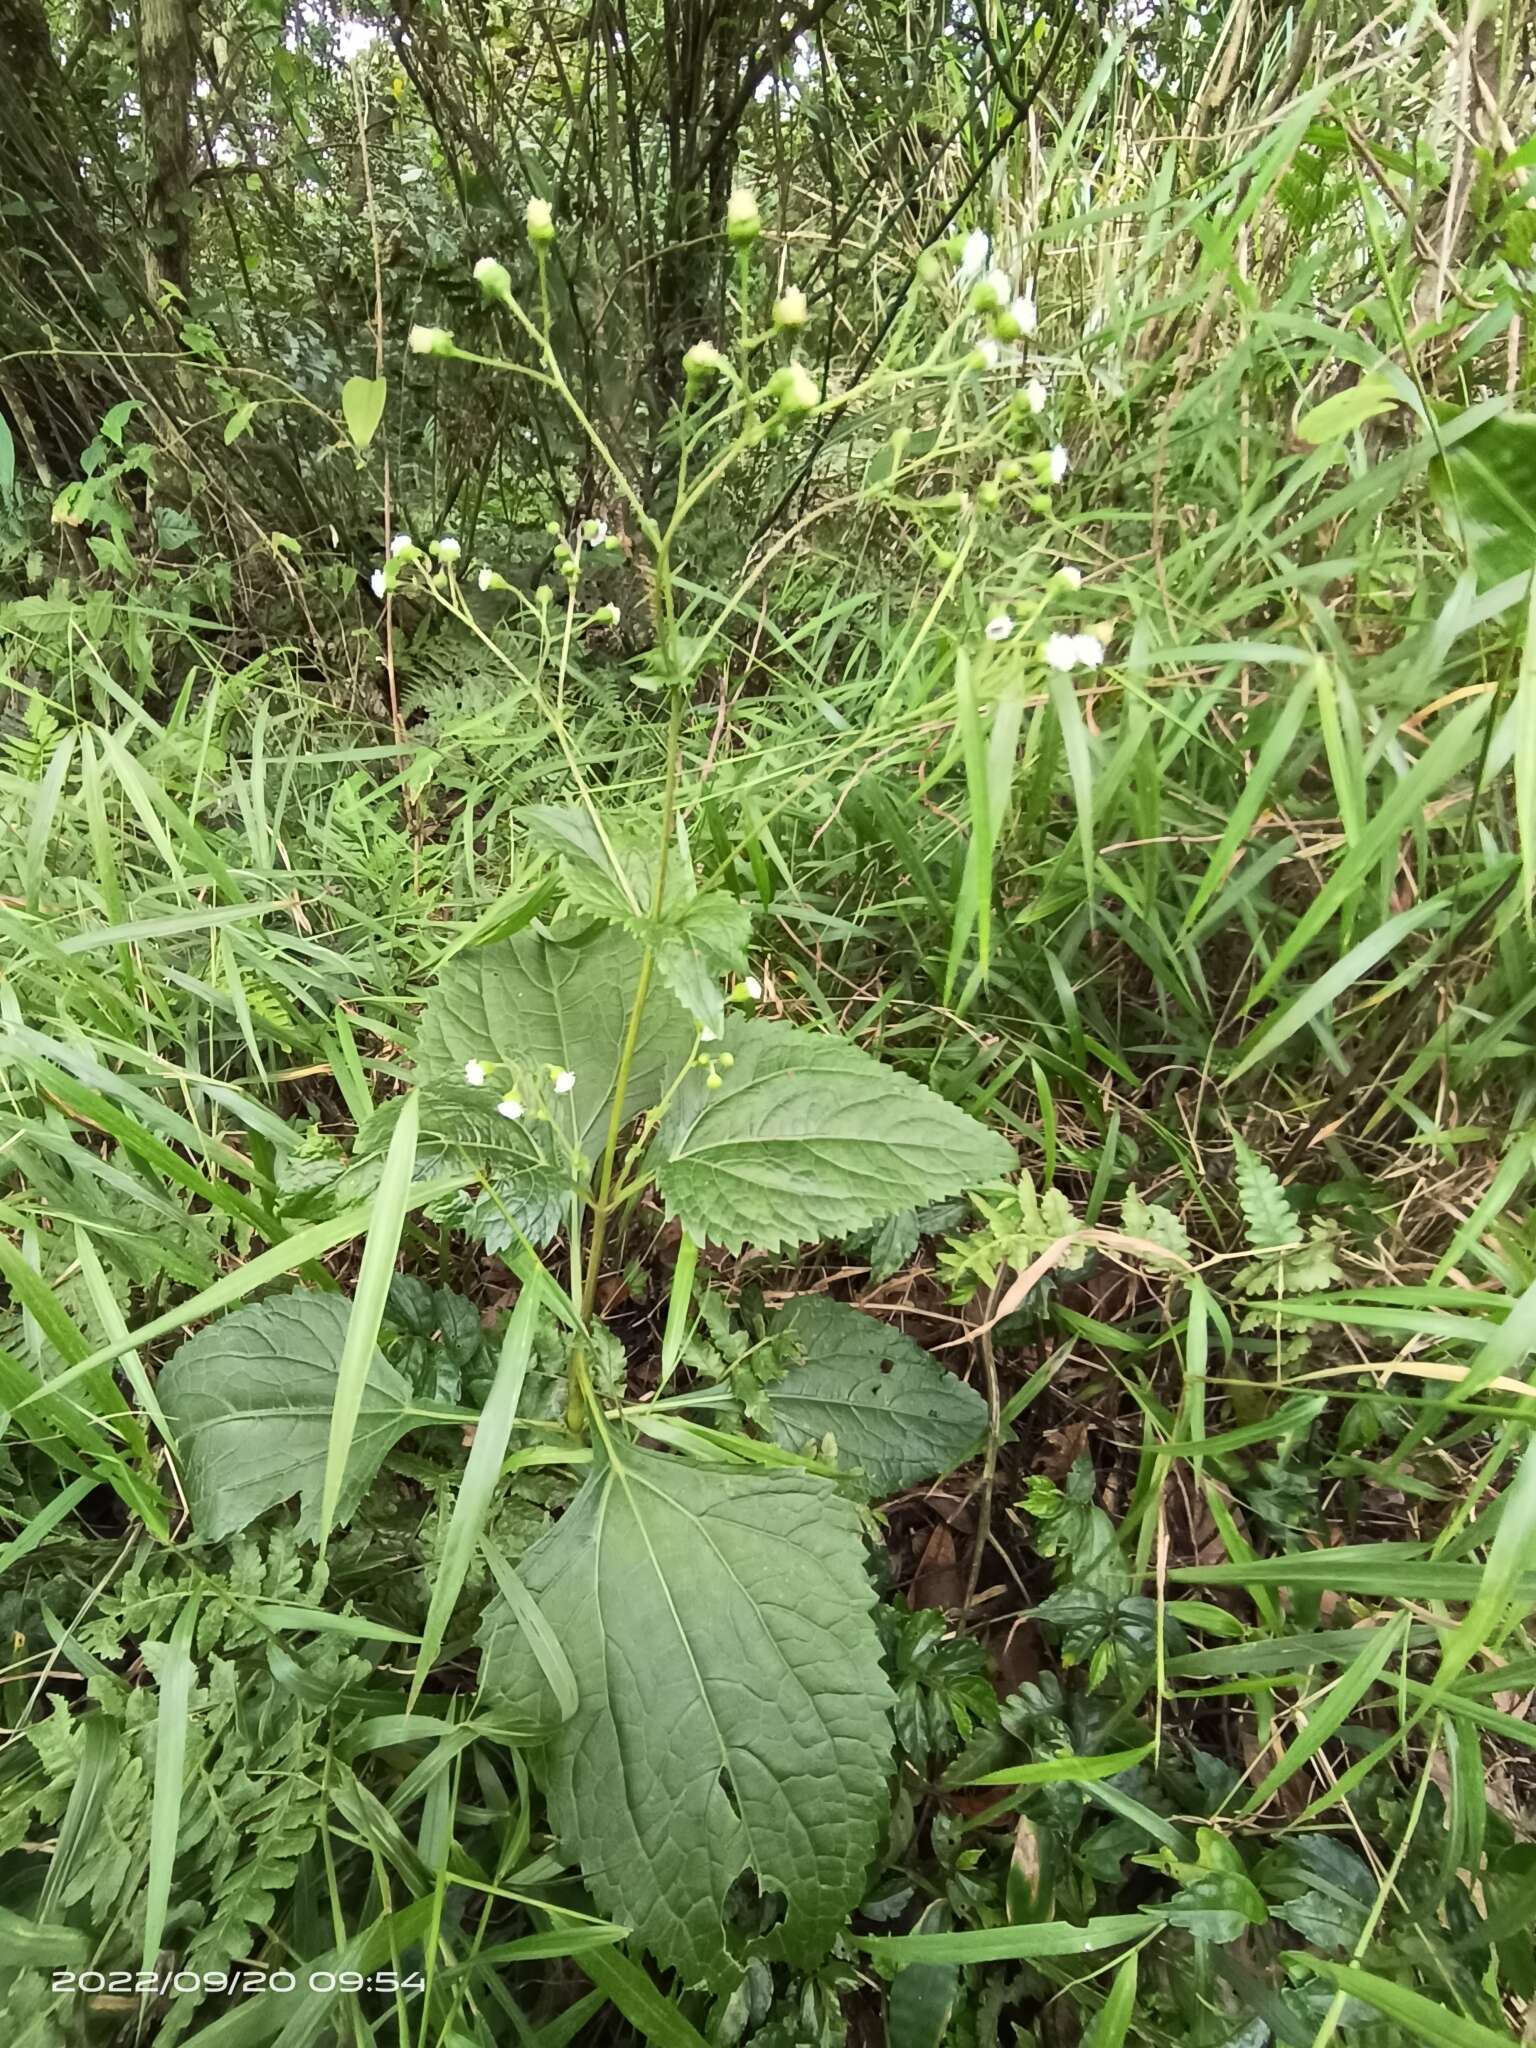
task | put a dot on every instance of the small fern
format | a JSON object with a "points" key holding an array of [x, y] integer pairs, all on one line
{"points": [[1265, 1205]]}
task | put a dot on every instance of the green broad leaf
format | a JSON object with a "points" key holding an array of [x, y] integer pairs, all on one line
{"points": [[731, 1711], [1219, 1905], [1346, 410], [530, 1003], [807, 1138], [1485, 487], [892, 1410], [362, 407], [698, 949], [462, 1133], [608, 867], [238, 421], [249, 1401], [920, 2005]]}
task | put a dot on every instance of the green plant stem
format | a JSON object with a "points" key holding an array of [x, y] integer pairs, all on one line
{"points": [[603, 1203]]}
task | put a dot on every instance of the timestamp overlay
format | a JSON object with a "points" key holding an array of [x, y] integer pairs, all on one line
{"points": [[242, 1983]]}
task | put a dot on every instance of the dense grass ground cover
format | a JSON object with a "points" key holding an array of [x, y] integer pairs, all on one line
{"points": [[955, 1464]]}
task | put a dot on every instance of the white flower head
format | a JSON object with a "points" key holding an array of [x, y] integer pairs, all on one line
{"points": [[986, 355], [790, 309], [510, 1108], [795, 388], [447, 549], [1059, 463], [974, 258], [1068, 577], [1088, 648], [401, 544], [484, 577], [743, 222], [702, 360], [606, 615], [999, 626], [594, 532], [753, 987], [565, 1081], [1035, 395], [376, 584], [474, 1073], [1060, 653], [540, 219], [1023, 313], [992, 291], [429, 341], [494, 280]]}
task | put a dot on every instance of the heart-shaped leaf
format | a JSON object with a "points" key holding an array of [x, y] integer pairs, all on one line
{"points": [[362, 407]]}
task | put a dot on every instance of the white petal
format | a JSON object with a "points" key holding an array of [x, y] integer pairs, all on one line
{"points": [[754, 988], [1000, 627], [474, 1073], [376, 583], [974, 257], [510, 1109], [565, 1082], [1035, 395], [1089, 649], [1060, 653], [400, 543], [1059, 463]]}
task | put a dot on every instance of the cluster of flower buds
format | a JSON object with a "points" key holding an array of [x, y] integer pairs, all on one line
{"points": [[511, 1106]]}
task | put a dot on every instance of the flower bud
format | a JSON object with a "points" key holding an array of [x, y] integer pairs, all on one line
{"points": [[447, 550], [930, 270], [701, 361], [795, 389], [991, 292], [541, 222], [743, 222], [1015, 322], [495, 280], [790, 309], [430, 341], [984, 356]]}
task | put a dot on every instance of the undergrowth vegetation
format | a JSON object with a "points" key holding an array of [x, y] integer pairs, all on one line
{"points": [[767, 1028]]}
